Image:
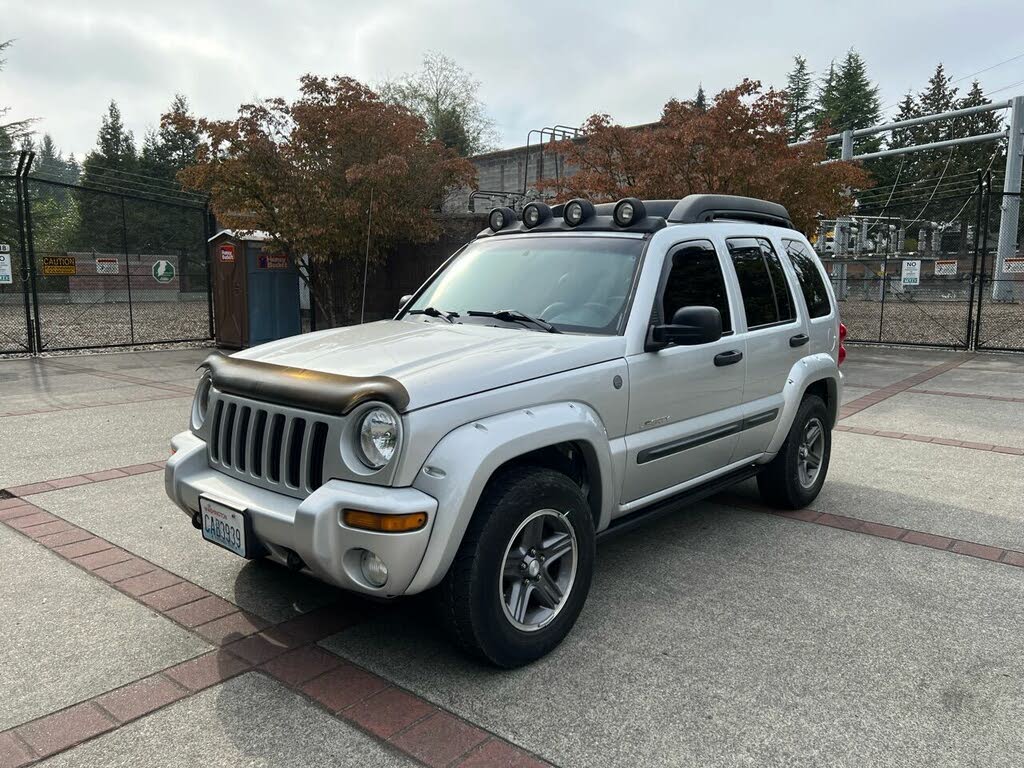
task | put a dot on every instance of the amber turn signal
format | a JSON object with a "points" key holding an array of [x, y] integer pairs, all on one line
{"points": [[371, 521]]}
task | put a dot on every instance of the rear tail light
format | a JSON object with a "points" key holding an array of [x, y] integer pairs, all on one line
{"points": [[842, 345]]}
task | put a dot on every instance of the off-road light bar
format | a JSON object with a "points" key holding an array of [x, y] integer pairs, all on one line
{"points": [[500, 218], [577, 211], [535, 213], [628, 211]]}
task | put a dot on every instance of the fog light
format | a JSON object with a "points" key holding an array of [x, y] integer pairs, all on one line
{"points": [[373, 568], [628, 211], [500, 218], [535, 213]]}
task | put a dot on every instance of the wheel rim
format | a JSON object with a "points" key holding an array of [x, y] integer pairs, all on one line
{"points": [[538, 570], [811, 453]]}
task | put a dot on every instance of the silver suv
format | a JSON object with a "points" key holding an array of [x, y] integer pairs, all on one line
{"points": [[569, 373]]}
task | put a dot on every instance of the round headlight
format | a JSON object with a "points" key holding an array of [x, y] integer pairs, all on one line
{"points": [[201, 402], [378, 438], [628, 211]]}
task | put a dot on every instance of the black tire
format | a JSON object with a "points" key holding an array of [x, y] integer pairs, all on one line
{"points": [[780, 482], [471, 594]]}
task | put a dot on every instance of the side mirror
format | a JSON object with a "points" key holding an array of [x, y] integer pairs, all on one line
{"points": [[689, 326], [403, 301]]}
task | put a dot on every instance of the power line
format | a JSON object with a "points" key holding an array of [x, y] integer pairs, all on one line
{"points": [[965, 77]]}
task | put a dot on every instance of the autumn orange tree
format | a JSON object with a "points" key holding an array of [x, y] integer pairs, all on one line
{"points": [[737, 146], [305, 172]]}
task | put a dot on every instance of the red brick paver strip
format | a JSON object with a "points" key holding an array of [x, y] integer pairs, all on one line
{"points": [[440, 739], [86, 547], [100, 559], [27, 490], [64, 729], [121, 571], [201, 611], [72, 536], [230, 628], [206, 670], [69, 482], [13, 751], [500, 754], [172, 597], [873, 398], [258, 648], [106, 474], [57, 526], [301, 665], [388, 712], [38, 517], [137, 586], [344, 686], [141, 697]]}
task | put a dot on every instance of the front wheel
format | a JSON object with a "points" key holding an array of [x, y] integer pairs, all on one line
{"points": [[523, 570], [794, 477]]}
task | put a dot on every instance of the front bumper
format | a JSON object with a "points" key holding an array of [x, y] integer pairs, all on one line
{"points": [[312, 527]]}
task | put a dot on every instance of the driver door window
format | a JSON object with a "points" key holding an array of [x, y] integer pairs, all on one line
{"points": [[695, 279]]}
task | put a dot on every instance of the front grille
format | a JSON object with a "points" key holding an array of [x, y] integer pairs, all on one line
{"points": [[270, 446]]}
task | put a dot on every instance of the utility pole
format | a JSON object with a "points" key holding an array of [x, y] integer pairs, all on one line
{"points": [[1002, 289]]}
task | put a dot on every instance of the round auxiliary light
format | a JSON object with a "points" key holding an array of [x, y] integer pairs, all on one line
{"points": [[378, 437], [500, 218], [373, 568], [628, 211], [577, 211], [535, 213]]}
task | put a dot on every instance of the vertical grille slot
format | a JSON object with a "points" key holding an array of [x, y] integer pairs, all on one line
{"points": [[276, 438], [317, 451], [294, 453], [227, 434], [242, 437], [258, 429], [215, 431]]}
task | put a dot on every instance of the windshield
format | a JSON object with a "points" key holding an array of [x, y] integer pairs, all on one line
{"points": [[577, 284]]}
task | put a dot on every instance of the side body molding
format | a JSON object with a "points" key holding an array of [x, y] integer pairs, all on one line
{"points": [[459, 467], [805, 372]]}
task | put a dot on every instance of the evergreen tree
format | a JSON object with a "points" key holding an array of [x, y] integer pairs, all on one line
{"points": [[857, 98], [979, 156], [798, 99], [700, 101], [110, 166], [826, 108]]}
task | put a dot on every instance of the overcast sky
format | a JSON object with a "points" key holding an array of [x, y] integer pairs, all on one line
{"points": [[540, 63]]}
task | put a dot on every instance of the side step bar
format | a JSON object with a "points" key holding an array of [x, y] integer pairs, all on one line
{"points": [[674, 503]]}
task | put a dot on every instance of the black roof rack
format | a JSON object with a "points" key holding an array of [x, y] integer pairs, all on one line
{"points": [[692, 209]]}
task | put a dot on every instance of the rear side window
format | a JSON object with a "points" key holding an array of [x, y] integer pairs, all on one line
{"points": [[766, 296], [809, 276], [696, 280]]}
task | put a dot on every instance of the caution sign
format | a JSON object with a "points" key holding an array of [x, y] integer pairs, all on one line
{"points": [[227, 252], [271, 261], [163, 271], [59, 265], [1013, 265], [911, 274], [945, 267], [107, 265]]}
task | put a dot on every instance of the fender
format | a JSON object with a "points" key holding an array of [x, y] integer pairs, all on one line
{"points": [[457, 470], [807, 371]]}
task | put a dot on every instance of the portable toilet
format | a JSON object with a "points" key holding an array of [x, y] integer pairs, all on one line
{"points": [[255, 290]]}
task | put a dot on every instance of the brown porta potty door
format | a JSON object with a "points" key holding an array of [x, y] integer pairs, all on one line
{"points": [[229, 296]]}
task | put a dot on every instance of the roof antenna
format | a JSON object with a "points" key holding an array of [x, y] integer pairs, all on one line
{"points": [[366, 261]]}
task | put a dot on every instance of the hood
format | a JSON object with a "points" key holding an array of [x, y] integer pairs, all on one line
{"points": [[436, 361]]}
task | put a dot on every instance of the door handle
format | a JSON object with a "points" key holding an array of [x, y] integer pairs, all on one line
{"points": [[728, 358], [799, 340]]}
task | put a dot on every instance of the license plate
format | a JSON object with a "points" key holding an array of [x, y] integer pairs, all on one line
{"points": [[223, 525]]}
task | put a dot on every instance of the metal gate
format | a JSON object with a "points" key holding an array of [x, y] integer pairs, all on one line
{"points": [[951, 293], [92, 267]]}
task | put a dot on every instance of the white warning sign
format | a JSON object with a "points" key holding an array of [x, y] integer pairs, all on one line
{"points": [[945, 267], [911, 274], [1014, 265]]}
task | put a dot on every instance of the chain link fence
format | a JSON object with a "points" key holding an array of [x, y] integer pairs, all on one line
{"points": [[105, 268]]}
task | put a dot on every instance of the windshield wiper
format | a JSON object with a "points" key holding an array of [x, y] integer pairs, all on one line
{"points": [[515, 316], [433, 312]]}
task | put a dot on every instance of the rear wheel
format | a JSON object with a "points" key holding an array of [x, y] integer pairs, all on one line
{"points": [[794, 477], [523, 570]]}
